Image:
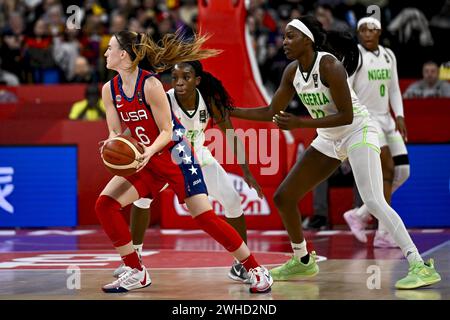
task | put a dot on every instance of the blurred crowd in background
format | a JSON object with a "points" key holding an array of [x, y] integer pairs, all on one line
{"points": [[42, 41]]}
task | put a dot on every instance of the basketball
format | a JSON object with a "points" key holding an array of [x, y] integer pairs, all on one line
{"points": [[120, 154]]}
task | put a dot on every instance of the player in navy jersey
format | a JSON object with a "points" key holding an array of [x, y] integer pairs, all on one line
{"points": [[137, 98]]}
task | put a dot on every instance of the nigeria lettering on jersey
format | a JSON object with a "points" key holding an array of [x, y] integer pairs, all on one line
{"points": [[379, 74], [314, 99], [134, 115], [192, 135]]}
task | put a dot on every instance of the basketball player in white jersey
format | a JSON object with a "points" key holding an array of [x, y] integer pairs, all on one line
{"points": [[375, 82], [191, 87], [344, 130]]}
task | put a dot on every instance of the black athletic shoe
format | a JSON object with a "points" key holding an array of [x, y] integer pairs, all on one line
{"points": [[317, 223]]}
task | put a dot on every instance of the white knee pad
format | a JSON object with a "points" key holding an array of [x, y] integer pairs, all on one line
{"points": [[232, 205], [143, 203], [234, 213], [401, 174]]}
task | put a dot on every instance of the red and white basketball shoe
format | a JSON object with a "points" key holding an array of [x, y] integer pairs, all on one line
{"points": [[130, 280], [261, 280]]}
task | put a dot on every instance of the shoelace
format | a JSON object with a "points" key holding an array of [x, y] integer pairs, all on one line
{"points": [[127, 269], [415, 268], [253, 273], [125, 276], [291, 262]]}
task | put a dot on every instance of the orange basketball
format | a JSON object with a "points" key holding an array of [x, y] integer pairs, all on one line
{"points": [[120, 154]]}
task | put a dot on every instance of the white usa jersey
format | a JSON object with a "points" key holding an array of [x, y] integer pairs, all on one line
{"points": [[375, 80], [318, 100], [195, 122]]}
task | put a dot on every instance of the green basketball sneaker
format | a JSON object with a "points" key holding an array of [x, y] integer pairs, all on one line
{"points": [[294, 269], [419, 275]]}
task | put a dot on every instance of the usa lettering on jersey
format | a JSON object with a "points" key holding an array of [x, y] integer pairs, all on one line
{"points": [[138, 115]]}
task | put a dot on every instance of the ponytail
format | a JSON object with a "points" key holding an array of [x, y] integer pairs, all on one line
{"points": [[212, 90], [173, 50], [339, 43], [345, 47], [170, 50]]}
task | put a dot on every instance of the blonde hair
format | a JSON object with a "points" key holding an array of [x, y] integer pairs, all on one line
{"points": [[170, 50]]}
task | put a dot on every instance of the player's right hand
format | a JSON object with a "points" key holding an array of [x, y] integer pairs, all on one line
{"points": [[145, 157], [400, 126]]}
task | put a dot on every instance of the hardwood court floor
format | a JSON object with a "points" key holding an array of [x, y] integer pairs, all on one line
{"points": [[188, 265]]}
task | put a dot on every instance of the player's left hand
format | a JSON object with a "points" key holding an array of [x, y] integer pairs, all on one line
{"points": [[145, 157], [401, 127], [101, 145], [252, 183], [287, 121]]}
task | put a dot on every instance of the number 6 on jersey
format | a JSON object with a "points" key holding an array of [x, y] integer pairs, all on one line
{"points": [[141, 135]]}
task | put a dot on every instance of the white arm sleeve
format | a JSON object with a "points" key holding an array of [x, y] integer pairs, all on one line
{"points": [[395, 96]]}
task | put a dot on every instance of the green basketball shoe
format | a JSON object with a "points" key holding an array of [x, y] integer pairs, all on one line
{"points": [[419, 275], [294, 269]]}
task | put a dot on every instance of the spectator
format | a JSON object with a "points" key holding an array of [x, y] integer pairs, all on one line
{"points": [[430, 86], [7, 78], [90, 40], [12, 44], [118, 23], [442, 19], [91, 108], [125, 8], [188, 11], [66, 49], [55, 19], [165, 24], [411, 25], [444, 71], [82, 71], [324, 13], [135, 25], [39, 55], [147, 13]]}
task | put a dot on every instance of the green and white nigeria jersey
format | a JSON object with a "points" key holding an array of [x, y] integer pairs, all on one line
{"points": [[194, 121], [318, 100], [372, 79]]}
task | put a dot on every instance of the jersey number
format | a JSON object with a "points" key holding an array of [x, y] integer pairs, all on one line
{"points": [[141, 135], [382, 90], [192, 135], [318, 113]]}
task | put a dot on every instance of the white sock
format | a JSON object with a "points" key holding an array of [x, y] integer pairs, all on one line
{"points": [[382, 229], [363, 213], [299, 249], [413, 256], [138, 248]]}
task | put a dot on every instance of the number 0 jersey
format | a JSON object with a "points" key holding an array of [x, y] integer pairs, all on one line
{"points": [[376, 81], [318, 100]]}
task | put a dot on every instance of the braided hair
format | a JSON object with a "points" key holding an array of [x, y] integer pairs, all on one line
{"points": [[342, 44], [212, 90]]}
